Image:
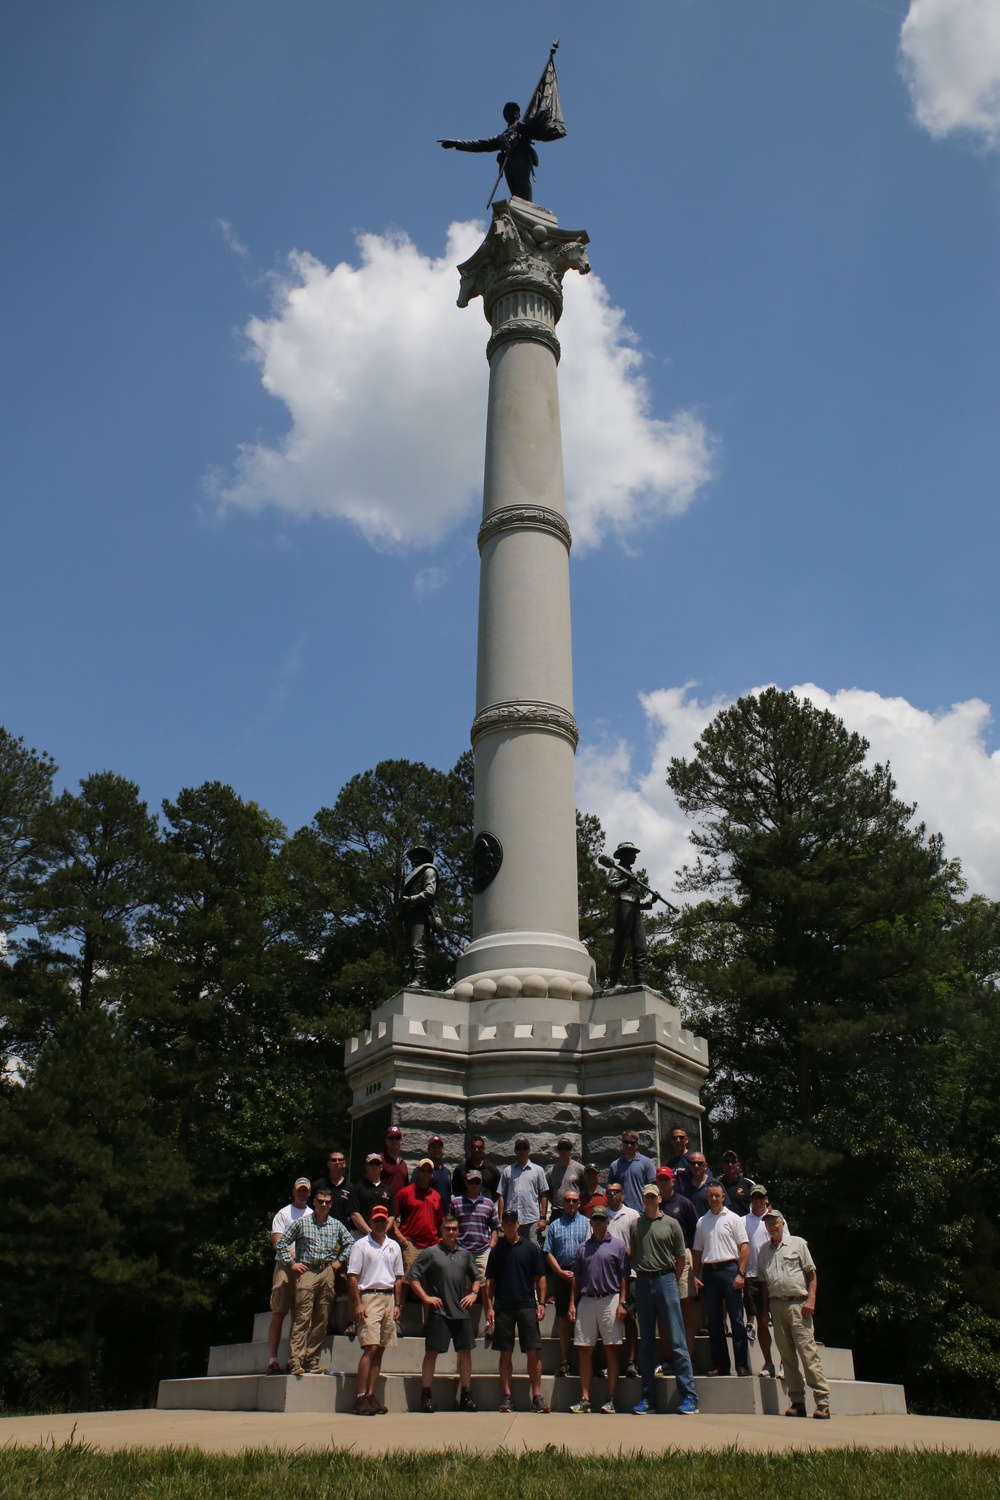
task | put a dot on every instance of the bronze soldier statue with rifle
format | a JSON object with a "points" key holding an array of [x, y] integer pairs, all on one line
{"points": [[629, 932]]}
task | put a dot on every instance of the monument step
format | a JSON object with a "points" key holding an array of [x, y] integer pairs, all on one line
{"points": [[407, 1355], [720, 1395]]}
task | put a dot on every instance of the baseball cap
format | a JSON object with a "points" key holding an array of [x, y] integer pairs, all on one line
{"points": [[425, 1161], [380, 1211], [373, 1156], [729, 1156], [509, 1213], [600, 1212], [592, 1167], [473, 1175], [435, 1140], [562, 1144], [304, 1181], [774, 1213], [758, 1190], [665, 1173], [394, 1130], [650, 1190]]}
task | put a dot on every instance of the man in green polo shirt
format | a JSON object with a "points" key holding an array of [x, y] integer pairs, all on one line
{"points": [[658, 1252]]}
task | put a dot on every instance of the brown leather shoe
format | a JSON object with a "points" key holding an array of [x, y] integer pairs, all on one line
{"points": [[822, 1413], [363, 1406], [796, 1410]]}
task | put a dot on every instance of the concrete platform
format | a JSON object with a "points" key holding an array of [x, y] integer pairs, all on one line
{"points": [[335, 1392], [488, 1432], [405, 1358]]}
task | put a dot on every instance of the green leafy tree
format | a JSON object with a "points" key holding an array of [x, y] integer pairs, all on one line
{"points": [[835, 972], [100, 852], [25, 791]]}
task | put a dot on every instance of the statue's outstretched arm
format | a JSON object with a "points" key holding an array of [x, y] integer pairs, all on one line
{"points": [[495, 143]]}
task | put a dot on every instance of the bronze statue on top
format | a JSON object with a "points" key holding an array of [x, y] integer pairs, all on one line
{"points": [[516, 156]]}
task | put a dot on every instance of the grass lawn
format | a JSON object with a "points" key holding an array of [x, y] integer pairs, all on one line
{"points": [[188, 1474]]}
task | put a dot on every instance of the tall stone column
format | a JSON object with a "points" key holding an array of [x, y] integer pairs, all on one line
{"points": [[525, 923]]}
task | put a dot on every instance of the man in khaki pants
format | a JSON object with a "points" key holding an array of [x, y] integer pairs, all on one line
{"points": [[320, 1243], [789, 1273]]}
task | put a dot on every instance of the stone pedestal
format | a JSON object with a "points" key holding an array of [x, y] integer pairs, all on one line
{"points": [[437, 1065]]}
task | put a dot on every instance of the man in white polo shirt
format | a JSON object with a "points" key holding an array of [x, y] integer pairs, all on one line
{"points": [[375, 1288], [721, 1250]]}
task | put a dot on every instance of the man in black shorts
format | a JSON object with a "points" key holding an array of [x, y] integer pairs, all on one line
{"points": [[445, 1278], [515, 1302]]}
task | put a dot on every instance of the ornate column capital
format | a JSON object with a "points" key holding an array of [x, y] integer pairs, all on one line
{"points": [[523, 260]]}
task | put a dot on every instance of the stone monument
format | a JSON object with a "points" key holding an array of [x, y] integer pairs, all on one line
{"points": [[524, 1042]]}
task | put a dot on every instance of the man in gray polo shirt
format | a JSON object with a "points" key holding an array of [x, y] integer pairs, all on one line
{"points": [[445, 1278], [657, 1252], [789, 1272]]}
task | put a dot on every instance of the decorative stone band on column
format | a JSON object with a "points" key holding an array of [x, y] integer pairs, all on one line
{"points": [[521, 329], [520, 517], [500, 717]]}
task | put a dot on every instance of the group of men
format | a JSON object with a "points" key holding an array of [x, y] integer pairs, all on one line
{"points": [[624, 1263]]}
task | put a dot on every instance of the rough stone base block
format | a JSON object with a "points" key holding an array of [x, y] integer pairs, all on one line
{"points": [[539, 1066]]}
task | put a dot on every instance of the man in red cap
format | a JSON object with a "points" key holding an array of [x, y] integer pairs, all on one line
{"points": [[395, 1173], [441, 1176], [375, 1288], [419, 1212]]}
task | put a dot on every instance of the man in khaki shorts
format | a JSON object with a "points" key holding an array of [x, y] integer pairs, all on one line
{"points": [[375, 1289], [282, 1281]]}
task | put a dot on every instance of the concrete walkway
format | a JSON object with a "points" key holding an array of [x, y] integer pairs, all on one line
{"points": [[484, 1432]]}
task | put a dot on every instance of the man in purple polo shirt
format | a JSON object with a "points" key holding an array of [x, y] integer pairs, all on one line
{"points": [[597, 1306]]}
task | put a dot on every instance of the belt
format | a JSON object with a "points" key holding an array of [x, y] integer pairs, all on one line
{"points": [[318, 1265], [371, 1291], [666, 1271], [732, 1262], [599, 1296]]}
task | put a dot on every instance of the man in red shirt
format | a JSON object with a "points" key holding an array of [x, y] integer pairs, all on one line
{"points": [[419, 1212], [395, 1173], [592, 1197]]}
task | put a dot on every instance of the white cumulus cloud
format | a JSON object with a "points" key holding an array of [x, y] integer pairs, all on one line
{"points": [[951, 60], [385, 381], [939, 760]]}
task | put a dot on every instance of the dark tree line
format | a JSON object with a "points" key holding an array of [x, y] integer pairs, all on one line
{"points": [[177, 987]]}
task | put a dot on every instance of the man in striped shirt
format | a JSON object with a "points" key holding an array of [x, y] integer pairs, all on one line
{"points": [[319, 1242], [478, 1221]]}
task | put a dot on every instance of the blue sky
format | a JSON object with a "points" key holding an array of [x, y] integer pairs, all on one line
{"points": [[795, 209]]}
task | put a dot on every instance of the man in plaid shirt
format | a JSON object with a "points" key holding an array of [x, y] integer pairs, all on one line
{"points": [[319, 1242]]}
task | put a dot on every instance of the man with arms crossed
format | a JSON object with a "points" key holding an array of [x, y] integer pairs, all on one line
{"points": [[515, 1302], [657, 1255], [375, 1289], [445, 1279], [320, 1243], [598, 1305], [789, 1273], [283, 1281]]}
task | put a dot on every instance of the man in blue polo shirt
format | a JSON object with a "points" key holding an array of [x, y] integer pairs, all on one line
{"points": [[563, 1239], [632, 1170]]}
